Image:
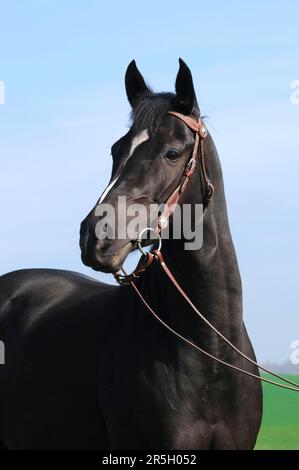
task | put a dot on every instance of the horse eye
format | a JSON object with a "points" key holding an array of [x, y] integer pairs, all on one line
{"points": [[172, 155]]}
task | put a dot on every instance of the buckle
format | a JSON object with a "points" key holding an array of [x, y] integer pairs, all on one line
{"points": [[203, 131]]}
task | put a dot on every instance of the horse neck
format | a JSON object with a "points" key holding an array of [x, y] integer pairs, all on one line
{"points": [[209, 276]]}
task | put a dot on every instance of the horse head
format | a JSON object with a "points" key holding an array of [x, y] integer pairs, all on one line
{"points": [[148, 164]]}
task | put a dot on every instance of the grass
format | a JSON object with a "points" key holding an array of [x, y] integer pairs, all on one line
{"points": [[280, 424]]}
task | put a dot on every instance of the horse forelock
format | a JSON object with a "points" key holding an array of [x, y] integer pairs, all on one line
{"points": [[149, 111]]}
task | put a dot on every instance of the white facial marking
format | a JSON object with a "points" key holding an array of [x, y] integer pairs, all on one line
{"points": [[104, 194], [137, 140]]}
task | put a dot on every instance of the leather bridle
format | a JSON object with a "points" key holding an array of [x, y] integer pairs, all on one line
{"points": [[201, 133], [123, 278]]}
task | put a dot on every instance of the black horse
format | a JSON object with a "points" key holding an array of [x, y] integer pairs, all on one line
{"points": [[87, 367]]}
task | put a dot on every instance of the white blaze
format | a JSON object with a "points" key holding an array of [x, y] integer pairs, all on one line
{"points": [[136, 141], [104, 194]]}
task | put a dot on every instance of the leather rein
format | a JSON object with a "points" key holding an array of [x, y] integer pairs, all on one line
{"points": [[123, 278]]}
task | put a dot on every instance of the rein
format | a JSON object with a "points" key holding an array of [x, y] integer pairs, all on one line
{"points": [[123, 278]]}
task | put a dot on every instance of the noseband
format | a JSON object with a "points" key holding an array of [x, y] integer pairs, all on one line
{"points": [[149, 257]]}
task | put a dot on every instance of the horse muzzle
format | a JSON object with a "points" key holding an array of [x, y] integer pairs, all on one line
{"points": [[102, 254]]}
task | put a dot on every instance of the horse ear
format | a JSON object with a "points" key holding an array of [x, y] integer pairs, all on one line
{"points": [[186, 98], [135, 84]]}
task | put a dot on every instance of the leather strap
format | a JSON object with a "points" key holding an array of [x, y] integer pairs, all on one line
{"points": [[124, 278], [158, 257], [201, 133]]}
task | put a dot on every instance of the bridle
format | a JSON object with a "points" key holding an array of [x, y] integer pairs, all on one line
{"points": [[201, 133], [123, 278]]}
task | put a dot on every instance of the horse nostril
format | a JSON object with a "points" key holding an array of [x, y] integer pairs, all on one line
{"points": [[108, 232], [105, 228], [107, 236], [105, 244]]}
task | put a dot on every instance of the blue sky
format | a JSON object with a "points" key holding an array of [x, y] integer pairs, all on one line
{"points": [[63, 65]]}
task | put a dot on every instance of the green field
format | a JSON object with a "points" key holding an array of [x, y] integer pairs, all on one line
{"points": [[280, 425]]}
